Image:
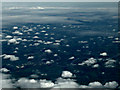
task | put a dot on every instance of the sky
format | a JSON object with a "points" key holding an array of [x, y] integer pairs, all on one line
{"points": [[59, 0]]}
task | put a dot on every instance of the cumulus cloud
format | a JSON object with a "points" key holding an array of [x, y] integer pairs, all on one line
{"points": [[48, 51], [11, 57], [56, 43], [15, 27], [27, 83], [12, 40], [72, 58], [19, 39], [49, 62], [35, 37], [112, 84], [32, 83], [46, 84], [65, 83], [55, 55], [17, 33], [30, 57], [66, 74], [95, 85], [43, 31], [103, 54], [89, 62], [34, 76], [5, 81], [8, 36], [59, 83], [48, 42], [4, 70], [95, 66], [24, 40], [110, 63]]}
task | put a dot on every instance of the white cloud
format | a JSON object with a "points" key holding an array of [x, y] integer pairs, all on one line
{"points": [[27, 83], [95, 84], [11, 57], [12, 40], [5, 82], [65, 83], [95, 66], [4, 70], [17, 33], [30, 57], [49, 62], [36, 44], [56, 43], [48, 51], [24, 40], [110, 63], [35, 37], [46, 84], [43, 31], [19, 39], [103, 54], [34, 76], [32, 83], [8, 36], [55, 55], [112, 84], [72, 57], [89, 62], [46, 34], [59, 83], [66, 74], [15, 27]]}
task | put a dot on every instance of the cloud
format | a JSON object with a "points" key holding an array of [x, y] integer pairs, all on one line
{"points": [[30, 57], [8, 37], [5, 81], [65, 83], [27, 83], [12, 40], [48, 51], [17, 33], [66, 74], [11, 57], [110, 63], [4, 70], [95, 84], [32, 83], [112, 84], [35, 37], [49, 62], [15, 27], [103, 54], [89, 62], [43, 83], [95, 66], [71, 58], [46, 84]]}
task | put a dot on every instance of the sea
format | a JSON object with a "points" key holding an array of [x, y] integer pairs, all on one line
{"points": [[60, 45]]}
